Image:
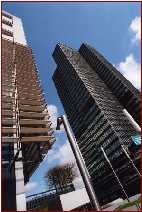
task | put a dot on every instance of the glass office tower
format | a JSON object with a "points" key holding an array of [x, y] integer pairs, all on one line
{"points": [[26, 132], [94, 94]]}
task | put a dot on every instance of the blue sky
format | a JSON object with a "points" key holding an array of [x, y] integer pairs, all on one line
{"points": [[112, 28]]}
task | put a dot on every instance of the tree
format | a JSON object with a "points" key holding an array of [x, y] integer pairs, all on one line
{"points": [[61, 176]]}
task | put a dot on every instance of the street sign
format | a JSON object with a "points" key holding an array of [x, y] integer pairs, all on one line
{"points": [[136, 139]]}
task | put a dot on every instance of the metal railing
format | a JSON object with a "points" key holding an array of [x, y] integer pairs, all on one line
{"points": [[40, 200]]}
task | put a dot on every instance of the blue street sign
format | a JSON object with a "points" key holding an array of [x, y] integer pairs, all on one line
{"points": [[136, 139]]}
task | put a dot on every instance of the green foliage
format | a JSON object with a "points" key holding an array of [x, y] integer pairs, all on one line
{"points": [[44, 209], [129, 204]]}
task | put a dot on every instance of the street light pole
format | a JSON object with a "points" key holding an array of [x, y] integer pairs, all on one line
{"points": [[132, 121], [115, 174], [81, 166], [137, 206], [130, 160], [138, 129]]}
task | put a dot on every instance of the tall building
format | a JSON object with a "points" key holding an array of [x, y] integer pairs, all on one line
{"points": [[26, 132], [94, 94]]}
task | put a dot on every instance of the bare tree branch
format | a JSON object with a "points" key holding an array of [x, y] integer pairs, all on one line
{"points": [[59, 177]]}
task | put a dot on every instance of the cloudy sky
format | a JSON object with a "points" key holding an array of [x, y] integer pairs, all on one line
{"points": [[112, 28]]}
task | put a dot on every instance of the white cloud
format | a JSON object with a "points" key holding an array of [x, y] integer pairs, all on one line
{"points": [[53, 112], [78, 182], [131, 70], [30, 186], [135, 28], [63, 154]]}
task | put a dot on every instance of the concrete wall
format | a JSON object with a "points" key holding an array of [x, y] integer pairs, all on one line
{"points": [[69, 201]]}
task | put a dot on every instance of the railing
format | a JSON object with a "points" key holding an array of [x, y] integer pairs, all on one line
{"points": [[40, 200]]}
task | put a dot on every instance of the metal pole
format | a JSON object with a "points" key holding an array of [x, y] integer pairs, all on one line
{"points": [[130, 160], [132, 121], [82, 169], [115, 174], [138, 129]]}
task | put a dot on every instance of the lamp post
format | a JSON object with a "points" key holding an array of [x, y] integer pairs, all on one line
{"points": [[130, 160], [115, 174], [138, 129], [80, 163], [137, 206], [132, 121]]}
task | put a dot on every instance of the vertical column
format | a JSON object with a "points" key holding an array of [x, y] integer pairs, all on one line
{"points": [[18, 32], [19, 176], [20, 189]]}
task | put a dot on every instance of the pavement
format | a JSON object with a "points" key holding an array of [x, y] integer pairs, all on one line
{"points": [[132, 208]]}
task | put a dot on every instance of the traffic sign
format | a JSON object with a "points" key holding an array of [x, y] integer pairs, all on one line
{"points": [[136, 139]]}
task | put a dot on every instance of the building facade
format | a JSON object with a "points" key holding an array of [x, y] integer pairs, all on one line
{"points": [[26, 132], [94, 94]]}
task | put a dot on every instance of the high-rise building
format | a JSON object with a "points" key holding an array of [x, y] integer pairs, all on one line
{"points": [[94, 94], [26, 132]]}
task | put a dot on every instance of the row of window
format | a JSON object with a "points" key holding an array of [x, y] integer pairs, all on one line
{"points": [[106, 72]]}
